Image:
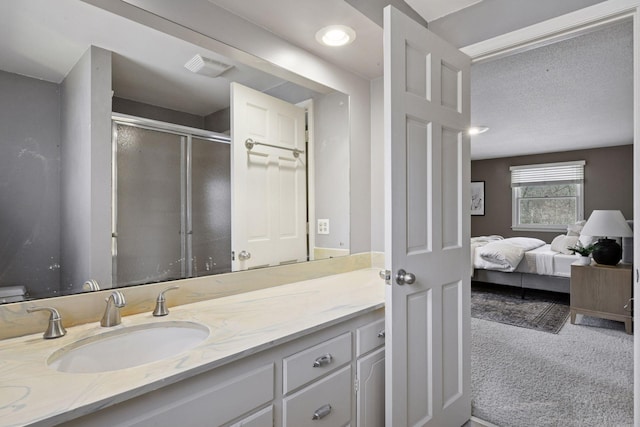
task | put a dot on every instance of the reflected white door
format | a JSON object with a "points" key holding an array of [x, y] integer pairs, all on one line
{"points": [[427, 173], [268, 184]]}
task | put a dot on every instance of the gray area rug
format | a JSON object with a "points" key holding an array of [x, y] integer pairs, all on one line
{"points": [[582, 376], [543, 311]]}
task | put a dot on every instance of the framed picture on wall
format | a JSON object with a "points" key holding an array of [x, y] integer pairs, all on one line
{"points": [[477, 197]]}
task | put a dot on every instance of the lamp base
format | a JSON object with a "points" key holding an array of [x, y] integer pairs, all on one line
{"points": [[607, 252]]}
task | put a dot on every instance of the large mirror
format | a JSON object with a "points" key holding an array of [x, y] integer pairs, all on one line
{"points": [[119, 154]]}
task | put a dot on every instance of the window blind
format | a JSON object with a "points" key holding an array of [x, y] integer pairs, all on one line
{"points": [[548, 173]]}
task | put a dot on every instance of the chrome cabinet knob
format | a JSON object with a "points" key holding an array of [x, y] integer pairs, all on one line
{"points": [[404, 278]]}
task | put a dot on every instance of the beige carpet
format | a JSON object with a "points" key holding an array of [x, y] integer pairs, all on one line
{"points": [[582, 376]]}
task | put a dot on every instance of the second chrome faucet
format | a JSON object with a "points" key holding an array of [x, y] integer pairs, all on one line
{"points": [[111, 315]]}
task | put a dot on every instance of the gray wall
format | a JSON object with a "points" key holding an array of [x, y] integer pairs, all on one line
{"points": [[139, 109], [86, 171], [377, 165], [29, 184], [331, 161], [608, 185], [220, 121]]}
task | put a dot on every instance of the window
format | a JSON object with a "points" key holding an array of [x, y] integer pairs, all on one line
{"points": [[547, 196]]}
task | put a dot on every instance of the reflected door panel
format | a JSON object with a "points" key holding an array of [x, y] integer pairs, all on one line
{"points": [[269, 193]]}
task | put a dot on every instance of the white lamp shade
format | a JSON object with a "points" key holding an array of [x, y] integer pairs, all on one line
{"points": [[607, 224]]}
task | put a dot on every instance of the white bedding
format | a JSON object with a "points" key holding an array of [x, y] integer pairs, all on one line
{"points": [[505, 254], [541, 260]]}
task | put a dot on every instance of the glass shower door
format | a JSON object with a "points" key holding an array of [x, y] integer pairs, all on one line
{"points": [[210, 207], [149, 217]]}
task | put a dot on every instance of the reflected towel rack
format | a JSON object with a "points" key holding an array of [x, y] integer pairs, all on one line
{"points": [[250, 143]]}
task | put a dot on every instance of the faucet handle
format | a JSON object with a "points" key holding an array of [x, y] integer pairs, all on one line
{"points": [[91, 285], [161, 305], [55, 328], [111, 315], [118, 299]]}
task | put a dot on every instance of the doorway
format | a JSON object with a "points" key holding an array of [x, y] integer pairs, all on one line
{"points": [[562, 27]]}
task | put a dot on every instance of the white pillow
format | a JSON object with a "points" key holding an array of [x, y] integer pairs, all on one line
{"points": [[562, 244], [575, 229]]}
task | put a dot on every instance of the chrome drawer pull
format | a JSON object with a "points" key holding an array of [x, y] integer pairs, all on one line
{"points": [[321, 412], [381, 334], [322, 361]]}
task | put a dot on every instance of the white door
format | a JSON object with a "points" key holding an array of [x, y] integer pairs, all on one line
{"points": [[268, 180], [427, 173]]}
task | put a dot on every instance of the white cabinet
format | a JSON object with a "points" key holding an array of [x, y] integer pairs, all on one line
{"points": [[211, 399], [369, 337], [262, 418], [370, 395], [321, 359], [307, 381], [370, 374], [325, 403]]}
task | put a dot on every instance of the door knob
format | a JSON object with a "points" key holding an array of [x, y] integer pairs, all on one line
{"points": [[402, 278], [244, 255]]}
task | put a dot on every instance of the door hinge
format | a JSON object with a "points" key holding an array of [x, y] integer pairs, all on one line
{"points": [[233, 255], [306, 136], [356, 385]]}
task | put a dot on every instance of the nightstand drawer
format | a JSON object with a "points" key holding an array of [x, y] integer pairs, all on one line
{"points": [[314, 362]]}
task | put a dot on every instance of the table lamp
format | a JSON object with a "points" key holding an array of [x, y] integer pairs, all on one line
{"points": [[606, 224]]}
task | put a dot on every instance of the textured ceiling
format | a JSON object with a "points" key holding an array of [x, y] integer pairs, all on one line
{"points": [[574, 94]]}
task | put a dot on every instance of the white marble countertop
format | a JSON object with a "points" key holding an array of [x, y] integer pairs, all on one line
{"points": [[31, 393]]}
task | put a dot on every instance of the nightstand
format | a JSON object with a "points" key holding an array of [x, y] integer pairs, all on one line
{"points": [[602, 291]]}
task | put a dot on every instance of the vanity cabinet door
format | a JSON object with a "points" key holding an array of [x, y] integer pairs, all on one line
{"points": [[370, 396], [211, 399]]}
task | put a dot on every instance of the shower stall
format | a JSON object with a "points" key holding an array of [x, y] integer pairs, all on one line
{"points": [[171, 200]]}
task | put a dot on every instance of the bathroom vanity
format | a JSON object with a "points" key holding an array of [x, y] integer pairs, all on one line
{"points": [[306, 353]]}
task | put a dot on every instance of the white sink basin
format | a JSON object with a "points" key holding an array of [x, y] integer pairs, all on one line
{"points": [[128, 347]]}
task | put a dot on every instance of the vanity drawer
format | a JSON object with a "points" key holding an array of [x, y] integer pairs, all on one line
{"points": [[369, 337], [335, 390], [263, 418], [307, 365]]}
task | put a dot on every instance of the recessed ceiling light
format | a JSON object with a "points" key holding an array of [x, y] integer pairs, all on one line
{"points": [[477, 130], [336, 35]]}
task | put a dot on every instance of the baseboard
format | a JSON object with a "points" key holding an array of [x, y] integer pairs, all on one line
{"points": [[477, 422]]}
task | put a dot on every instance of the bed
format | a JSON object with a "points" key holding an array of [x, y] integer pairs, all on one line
{"points": [[521, 262]]}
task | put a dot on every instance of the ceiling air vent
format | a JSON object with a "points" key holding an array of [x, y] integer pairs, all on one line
{"points": [[206, 66]]}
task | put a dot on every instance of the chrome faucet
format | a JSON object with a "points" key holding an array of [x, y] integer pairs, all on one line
{"points": [[112, 313], [55, 328], [161, 306]]}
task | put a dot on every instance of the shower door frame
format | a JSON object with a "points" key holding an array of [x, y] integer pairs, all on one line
{"points": [[186, 135]]}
